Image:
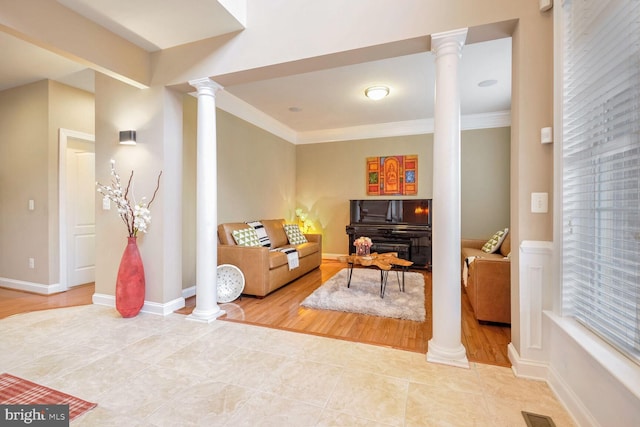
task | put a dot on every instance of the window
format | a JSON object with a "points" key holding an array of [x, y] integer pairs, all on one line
{"points": [[601, 169]]}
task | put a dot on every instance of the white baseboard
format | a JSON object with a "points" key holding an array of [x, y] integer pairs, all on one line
{"points": [[189, 292], [331, 256], [36, 288], [540, 371], [524, 368], [104, 299], [572, 403], [163, 309], [149, 307]]}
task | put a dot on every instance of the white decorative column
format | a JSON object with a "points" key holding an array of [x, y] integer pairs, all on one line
{"points": [[207, 308], [446, 346]]}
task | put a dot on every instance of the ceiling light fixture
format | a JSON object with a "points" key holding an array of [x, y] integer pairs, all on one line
{"points": [[487, 83], [376, 92]]}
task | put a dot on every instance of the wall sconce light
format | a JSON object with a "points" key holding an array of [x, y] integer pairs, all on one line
{"points": [[128, 137], [376, 92], [421, 210]]}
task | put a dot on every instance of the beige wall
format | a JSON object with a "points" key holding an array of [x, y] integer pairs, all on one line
{"points": [[531, 161], [73, 109], [156, 115], [331, 174], [189, 119], [30, 117], [256, 177], [24, 158], [485, 182], [256, 172]]}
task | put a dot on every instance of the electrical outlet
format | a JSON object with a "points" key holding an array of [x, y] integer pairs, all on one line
{"points": [[32, 263]]}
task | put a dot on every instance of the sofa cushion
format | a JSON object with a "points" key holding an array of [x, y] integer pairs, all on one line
{"points": [[479, 253], [505, 247], [305, 249], [277, 258], [275, 230], [246, 237], [493, 244], [294, 235]]}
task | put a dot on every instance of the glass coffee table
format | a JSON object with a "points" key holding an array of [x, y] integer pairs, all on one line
{"points": [[384, 262]]}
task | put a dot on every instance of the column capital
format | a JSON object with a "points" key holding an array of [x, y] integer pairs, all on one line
{"points": [[205, 86], [454, 38]]}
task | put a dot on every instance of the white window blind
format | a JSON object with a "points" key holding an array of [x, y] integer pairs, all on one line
{"points": [[601, 169]]}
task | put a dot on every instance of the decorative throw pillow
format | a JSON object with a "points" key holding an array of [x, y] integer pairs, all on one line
{"points": [[495, 241], [261, 232], [246, 237], [294, 234]]}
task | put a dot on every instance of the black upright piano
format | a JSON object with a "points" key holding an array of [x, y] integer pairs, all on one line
{"points": [[394, 225]]}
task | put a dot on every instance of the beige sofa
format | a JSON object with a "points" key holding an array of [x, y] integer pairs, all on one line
{"points": [[267, 270], [488, 280]]}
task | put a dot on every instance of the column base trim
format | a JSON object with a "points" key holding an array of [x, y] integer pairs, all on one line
{"points": [[206, 317], [443, 356]]}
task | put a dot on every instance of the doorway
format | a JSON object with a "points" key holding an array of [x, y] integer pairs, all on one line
{"points": [[76, 208]]}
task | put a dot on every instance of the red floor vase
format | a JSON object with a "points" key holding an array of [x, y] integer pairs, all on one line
{"points": [[130, 286]]}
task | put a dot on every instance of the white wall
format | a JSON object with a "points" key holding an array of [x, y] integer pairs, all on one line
{"points": [[596, 383]]}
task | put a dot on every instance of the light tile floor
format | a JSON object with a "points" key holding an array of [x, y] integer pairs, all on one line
{"points": [[155, 371]]}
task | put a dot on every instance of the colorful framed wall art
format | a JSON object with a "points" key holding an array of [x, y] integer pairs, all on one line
{"points": [[392, 175]]}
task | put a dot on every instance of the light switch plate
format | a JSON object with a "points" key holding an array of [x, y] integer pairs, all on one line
{"points": [[106, 204], [539, 202]]}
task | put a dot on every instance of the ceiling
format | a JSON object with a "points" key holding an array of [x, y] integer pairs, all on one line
{"points": [[313, 101]]}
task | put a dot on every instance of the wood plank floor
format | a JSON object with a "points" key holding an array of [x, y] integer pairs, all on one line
{"points": [[15, 302], [485, 343]]}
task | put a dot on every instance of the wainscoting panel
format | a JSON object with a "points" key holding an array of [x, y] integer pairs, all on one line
{"points": [[532, 321], [535, 278]]}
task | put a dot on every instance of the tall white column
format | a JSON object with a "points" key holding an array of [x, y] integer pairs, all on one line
{"points": [[446, 346], [207, 308]]}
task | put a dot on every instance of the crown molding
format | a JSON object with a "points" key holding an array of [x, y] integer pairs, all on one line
{"points": [[378, 130], [497, 119], [247, 112], [412, 127], [239, 108]]}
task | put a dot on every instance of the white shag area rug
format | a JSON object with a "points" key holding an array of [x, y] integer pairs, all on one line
{"points": [[363, 296]]}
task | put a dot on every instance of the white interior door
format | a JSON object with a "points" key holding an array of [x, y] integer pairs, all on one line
{"points": [[80, 210]]}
